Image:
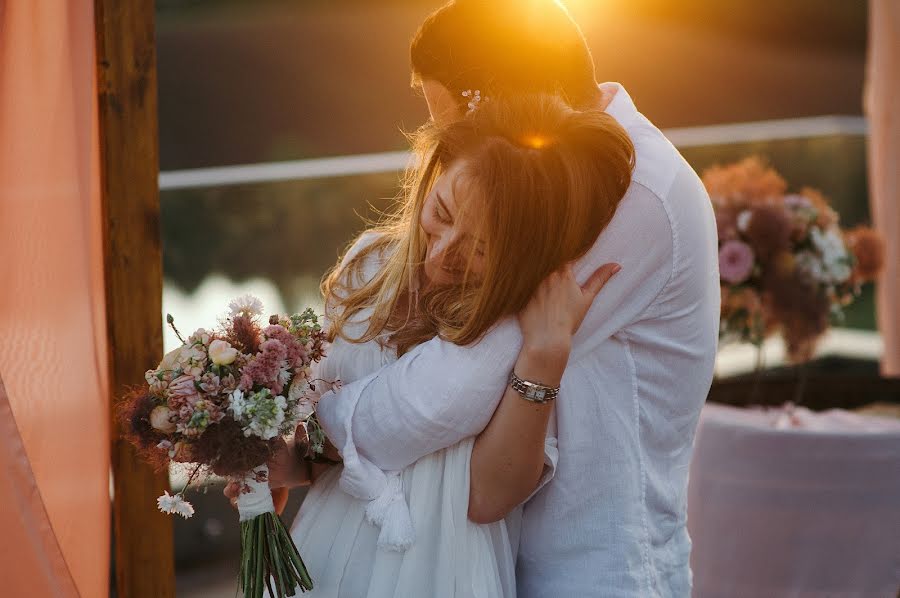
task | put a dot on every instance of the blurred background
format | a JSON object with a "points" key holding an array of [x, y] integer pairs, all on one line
{"points": [[266, 81]]}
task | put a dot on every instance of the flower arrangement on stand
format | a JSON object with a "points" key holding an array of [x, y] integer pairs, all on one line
{"points": [[219, 404], [786, 266]]}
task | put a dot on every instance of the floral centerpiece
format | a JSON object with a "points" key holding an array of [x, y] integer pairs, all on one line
{"points": [[785, 264], [220, 403]]}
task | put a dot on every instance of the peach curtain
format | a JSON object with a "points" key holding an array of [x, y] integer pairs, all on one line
{"points": [[32, 563], [53, 348], [883, 110]]}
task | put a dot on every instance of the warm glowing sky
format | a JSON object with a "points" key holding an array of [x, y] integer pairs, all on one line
{"points": [[245, 82]]}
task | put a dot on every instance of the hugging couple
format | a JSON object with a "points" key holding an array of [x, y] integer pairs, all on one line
{"points": [[524, 346]]}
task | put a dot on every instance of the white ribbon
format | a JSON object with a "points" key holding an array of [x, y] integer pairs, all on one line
{"points": [[259, 500]]}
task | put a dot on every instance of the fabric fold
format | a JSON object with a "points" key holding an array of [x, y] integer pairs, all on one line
{"points": [[362, 479]]}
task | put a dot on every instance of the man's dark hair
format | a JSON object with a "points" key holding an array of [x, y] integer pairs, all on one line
{"points": [[503, 47]]}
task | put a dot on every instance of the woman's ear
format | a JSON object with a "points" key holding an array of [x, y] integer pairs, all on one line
{"points": [[442, 104]]}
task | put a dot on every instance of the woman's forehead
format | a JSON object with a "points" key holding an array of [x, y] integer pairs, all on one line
{"points": [[455, 186]]}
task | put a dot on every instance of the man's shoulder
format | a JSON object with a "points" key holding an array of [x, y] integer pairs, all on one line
{"points": [[657, 161], [665, 177]]}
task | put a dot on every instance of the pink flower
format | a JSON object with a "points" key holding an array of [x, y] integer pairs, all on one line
{"points": [[264, 368], [296, 353], [735, 261], [183, 386]]}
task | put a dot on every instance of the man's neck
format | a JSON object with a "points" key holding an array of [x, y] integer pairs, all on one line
{"points": [[607, 93]]}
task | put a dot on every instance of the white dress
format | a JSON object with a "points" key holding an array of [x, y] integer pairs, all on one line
{"points": [[450, 557]]}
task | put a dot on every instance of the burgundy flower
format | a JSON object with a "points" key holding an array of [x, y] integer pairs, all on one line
{"points": [[769, 230], [726, 224]]}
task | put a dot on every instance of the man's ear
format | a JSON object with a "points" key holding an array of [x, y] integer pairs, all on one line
{"points": [[442, 104]]}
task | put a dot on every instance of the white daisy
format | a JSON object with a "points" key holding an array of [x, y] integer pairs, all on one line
{"points": [[237, 404], [743, 220], [176, 504], [183, 507], [166, 503]]}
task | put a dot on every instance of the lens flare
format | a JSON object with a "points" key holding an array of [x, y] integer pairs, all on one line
{"points": [[535, 141]]}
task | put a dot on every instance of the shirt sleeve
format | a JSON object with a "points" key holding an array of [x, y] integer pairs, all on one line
{"points": [[440, 393], [551, 456]]}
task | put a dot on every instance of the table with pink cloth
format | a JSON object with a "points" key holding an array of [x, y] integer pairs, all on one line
{"points": [[789, 502]]}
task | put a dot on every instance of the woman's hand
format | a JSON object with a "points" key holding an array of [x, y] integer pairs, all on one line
{"points": [[286, 469], [559, 305]]}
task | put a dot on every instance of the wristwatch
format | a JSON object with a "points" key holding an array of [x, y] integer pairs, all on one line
{"points": [[532, 391]]}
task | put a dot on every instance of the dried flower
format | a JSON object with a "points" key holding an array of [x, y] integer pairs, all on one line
{"points": [[768, 230], [867, 248], [825, 216], [264, 368], [247, 305], [193, 409], [784, 264], [739, 185], [726, 225]]}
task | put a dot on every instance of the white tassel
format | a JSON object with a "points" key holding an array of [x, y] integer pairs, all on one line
{"points": [[397, 533], [377, 508], [390, 512]]}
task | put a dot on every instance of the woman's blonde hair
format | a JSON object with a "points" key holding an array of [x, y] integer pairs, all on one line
{"points": [[548, 179]]}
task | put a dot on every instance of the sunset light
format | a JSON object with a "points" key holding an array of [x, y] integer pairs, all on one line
{"points": [[535, 141], [449, 298]]}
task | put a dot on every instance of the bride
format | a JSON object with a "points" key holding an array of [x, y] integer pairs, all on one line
{"points": [[501, 202]]}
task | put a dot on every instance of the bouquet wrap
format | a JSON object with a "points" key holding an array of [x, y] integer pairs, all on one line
{"points": [[258, 500]]}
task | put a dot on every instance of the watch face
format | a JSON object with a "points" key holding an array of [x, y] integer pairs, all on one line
{"points": [[536, 393]]}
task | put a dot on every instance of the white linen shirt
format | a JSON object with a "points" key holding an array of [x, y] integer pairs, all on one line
{"points": [[612, 520]]}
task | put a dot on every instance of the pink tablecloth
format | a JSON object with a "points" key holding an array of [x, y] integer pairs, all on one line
{"points": [[805, 506]]}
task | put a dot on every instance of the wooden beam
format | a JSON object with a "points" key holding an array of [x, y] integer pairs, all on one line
{"points": [[129, 165]]}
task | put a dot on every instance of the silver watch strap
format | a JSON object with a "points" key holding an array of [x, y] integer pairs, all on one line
{"points": [[532, 391]]}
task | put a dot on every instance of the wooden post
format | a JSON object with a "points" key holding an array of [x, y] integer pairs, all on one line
{"points": [[129, 166]]}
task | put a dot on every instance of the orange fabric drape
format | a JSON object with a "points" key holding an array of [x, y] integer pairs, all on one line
{"points": [[883, 110], [28, 540], [52, 327]]}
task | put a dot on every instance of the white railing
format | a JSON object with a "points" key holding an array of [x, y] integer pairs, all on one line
{"points": [[317, 168]]}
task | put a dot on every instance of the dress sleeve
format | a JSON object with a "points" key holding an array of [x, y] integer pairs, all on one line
{"points": [[440, 393]]}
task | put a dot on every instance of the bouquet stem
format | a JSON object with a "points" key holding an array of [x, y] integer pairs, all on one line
{"points": [[268, 552]]}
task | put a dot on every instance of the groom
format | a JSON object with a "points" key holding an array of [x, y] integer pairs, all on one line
{"points": [[612, 519]]}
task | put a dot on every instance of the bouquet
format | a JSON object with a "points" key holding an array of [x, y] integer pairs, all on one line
{"points": [[785, 264], [220, 402]]}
